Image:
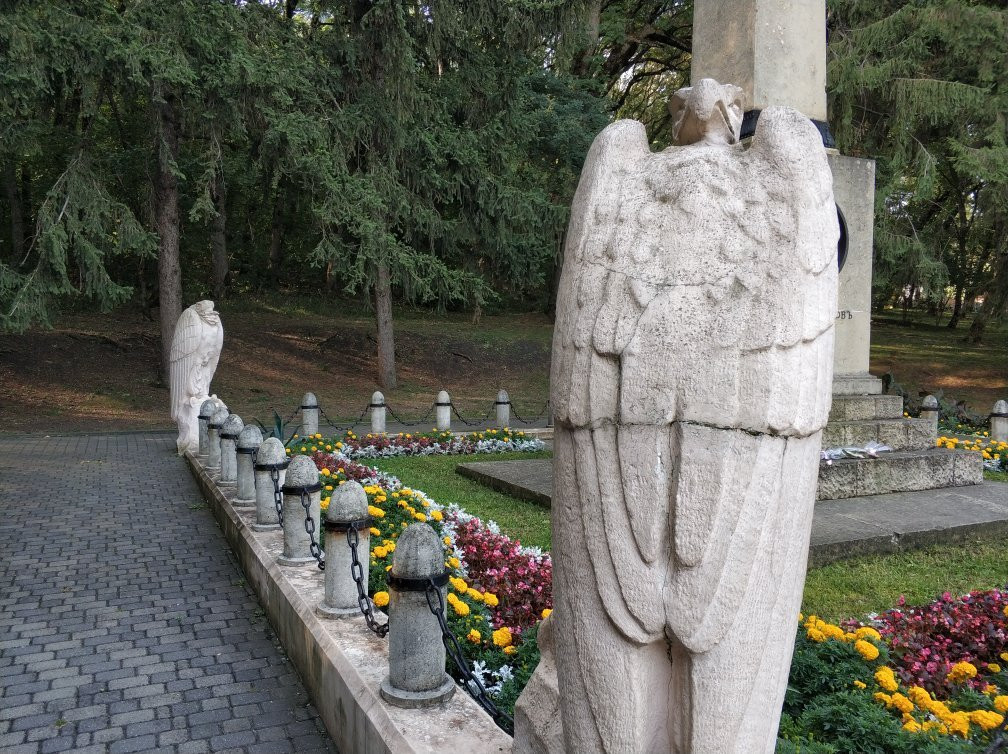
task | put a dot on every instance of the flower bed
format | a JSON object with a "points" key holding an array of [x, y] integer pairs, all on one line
{"points": [[434, 442], [499, 590], [995, 453], [917, 680]]}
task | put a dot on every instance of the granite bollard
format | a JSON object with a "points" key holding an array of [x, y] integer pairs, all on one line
{"points": [[999, 422], [249, 440], [206, 412], [443, 409], [229, 432], [270, 469], [309, 414], [302, 482], [377, 407], [417, 675], [217, 419], [503, 407], [348, 507], [929, 410]]}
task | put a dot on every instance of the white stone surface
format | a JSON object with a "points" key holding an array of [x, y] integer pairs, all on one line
{"points": [[378, 410], [929, 411], [999, 424], [348, 502], [229, 432], [442, 411], [416, 653], [302, 472], [691, 378], [309, 414], [217, 419], [195, 349], [271, 453], [502, 408], [775, 51], [854, 191], [248, 444]]}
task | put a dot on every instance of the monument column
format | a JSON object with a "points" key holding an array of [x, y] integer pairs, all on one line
{"points": [[776, 51]]}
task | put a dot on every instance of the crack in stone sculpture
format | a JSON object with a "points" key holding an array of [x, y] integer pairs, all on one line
{"points": [[195, 349], [691, 380]]}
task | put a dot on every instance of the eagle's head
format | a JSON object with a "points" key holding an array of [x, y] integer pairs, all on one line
{"points": [[708, 113]]}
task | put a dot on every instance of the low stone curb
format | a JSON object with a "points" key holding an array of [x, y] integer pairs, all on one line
{"points": [[341, 663]]}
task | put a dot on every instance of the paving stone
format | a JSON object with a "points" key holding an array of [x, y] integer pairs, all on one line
{"points": [[127, 624]]}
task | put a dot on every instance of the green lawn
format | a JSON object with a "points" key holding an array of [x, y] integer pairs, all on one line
{"points": [[527, 522], [840, 590]]}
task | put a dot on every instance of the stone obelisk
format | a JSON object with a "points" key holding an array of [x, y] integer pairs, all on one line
{"points": [[776, 51]]}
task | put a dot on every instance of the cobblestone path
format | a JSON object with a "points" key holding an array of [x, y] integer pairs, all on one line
{"points": [[124, 623]]}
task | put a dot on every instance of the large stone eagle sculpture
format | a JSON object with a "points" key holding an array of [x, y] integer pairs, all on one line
{"points": [[195, 349], [691, 379]]}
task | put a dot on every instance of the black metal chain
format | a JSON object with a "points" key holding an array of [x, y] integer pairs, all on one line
{"points": [[329, 422], [277, 494], [357, 571], [471, 683], [539, 416], [309, 525], [478, 421], [423, 420]]}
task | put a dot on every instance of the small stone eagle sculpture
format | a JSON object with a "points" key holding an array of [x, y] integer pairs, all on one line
{"points": [[691, 379], [195, 349]]}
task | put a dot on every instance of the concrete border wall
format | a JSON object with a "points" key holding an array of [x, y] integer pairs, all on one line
{"points": [[340, 662]]}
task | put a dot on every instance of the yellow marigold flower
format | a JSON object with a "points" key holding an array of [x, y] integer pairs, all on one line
{"points": [[420, 517], [324, 504], [815, 635], [303, 449], [867, 632], [326, 472], [490, 598], [510, 650], [447, 541], [474, 636], [379, 552], [919, 696], [993, 667], [374, 532], [986, 719], [1004, 655], [288, 450], [461, 608], [328, 488], [959, 722], [1001, 704], [962, 671], [866, 649], [990, 688], [1005, 611], [912, 726], [860, 685], [934, 725], [375, 511], [328, 447], [901, 703], [380, 599], [459, 585], [885, 678], [502, 637], [475, 594], [437, 515], [454, 562], [546, 613], [878, 696]]}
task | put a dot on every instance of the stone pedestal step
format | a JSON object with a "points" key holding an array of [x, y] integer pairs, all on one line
{"points": [[898, 434], [864, 407], [899, 472]]}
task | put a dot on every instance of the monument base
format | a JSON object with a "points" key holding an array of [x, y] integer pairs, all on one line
{"points": [[857, 383]]}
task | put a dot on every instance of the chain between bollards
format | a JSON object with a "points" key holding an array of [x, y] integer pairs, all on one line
{"points": [[357, 572], [542, 412], [471, 683], [309, 524], [277, 494], [423, 420]]}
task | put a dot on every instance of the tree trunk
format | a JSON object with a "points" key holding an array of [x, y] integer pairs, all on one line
{"points": [[166, 224], [383, 319], [17, 215], [995, 302], [276, 243], [218, 241], [957, 307]]}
